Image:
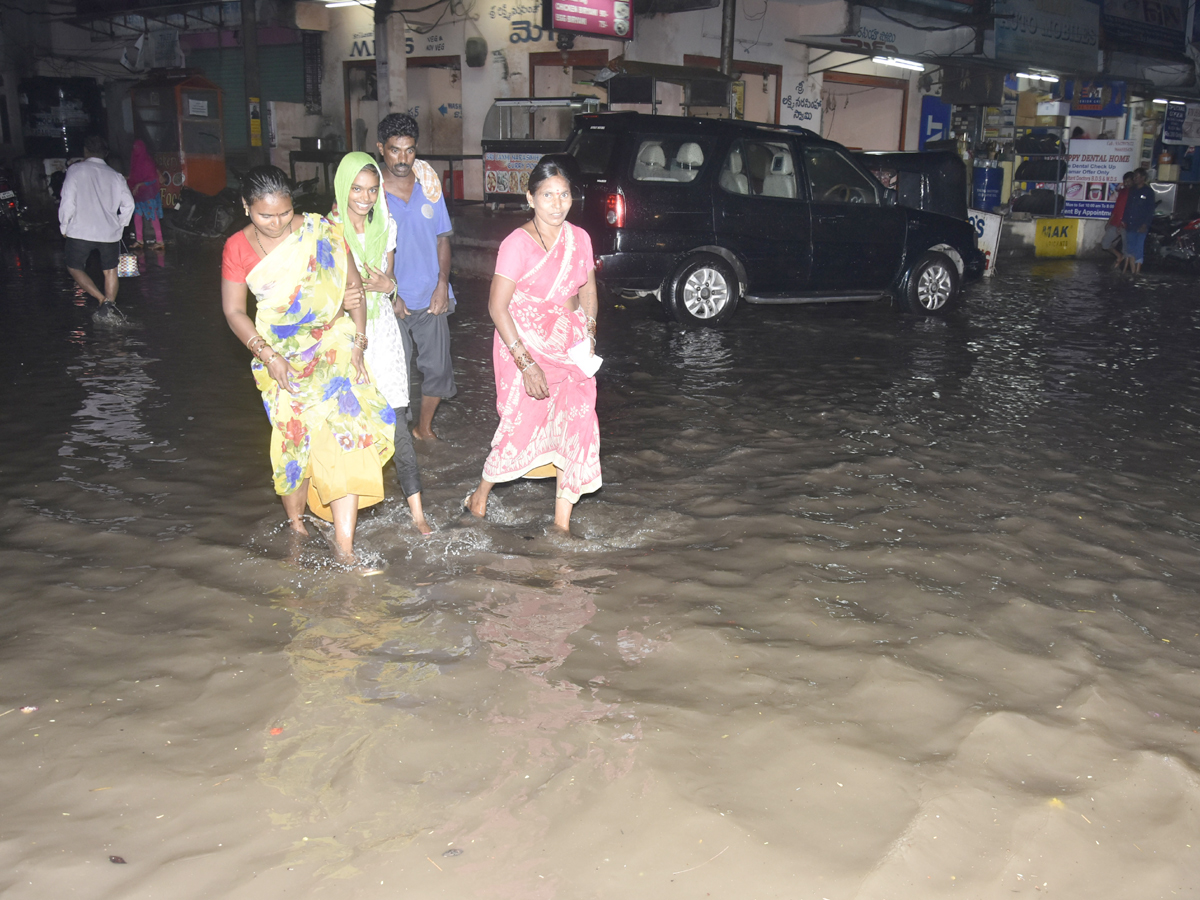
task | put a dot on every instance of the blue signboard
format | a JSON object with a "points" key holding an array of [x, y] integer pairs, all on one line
{"points": [[935, 120], [1098, 99]]}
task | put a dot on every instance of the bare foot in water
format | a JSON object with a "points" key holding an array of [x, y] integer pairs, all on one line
{"points": [[297, 525], [418, 514], [424, 435], [476, 505]]}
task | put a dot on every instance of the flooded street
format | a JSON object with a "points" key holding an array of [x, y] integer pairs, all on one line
{"points": [[869, 608]]}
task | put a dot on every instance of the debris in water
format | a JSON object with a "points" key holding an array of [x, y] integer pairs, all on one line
{"points": [[276, 731], [29, 709], [453, 851], [119, 860]]}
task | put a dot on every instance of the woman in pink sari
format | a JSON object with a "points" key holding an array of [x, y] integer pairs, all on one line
{"points": [[543, 303]]}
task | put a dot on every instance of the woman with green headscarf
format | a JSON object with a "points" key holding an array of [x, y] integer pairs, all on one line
{"points": [[371, 235]]}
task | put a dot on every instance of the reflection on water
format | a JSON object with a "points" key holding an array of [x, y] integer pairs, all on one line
{"points": [[869, 606]]}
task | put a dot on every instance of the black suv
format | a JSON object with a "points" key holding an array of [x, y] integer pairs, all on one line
{"points": [[704, 212]]}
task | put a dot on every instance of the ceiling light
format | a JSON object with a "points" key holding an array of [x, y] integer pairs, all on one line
{"points": [[898, 63], [1178, 103], [336, 3], [1160, 101], [1034, 76]]}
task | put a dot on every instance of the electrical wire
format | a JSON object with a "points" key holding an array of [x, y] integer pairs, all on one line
{"points": [[898, 20]]}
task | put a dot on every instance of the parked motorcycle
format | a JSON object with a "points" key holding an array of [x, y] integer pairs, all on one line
{"points": [[1176, 240], [220, 215], [10, 206]]}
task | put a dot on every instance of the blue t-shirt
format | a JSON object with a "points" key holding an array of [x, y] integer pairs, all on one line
{"points": [[1139, 207], [418, 224]]}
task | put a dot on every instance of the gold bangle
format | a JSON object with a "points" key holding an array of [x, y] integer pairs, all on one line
{"points": [[360, 341]]}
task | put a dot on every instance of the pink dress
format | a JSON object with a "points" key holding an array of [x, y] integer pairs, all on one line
{"points": [[561, 430]]}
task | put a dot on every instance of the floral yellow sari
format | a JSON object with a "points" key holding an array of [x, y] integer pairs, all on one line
{"points": [[334, 431]]}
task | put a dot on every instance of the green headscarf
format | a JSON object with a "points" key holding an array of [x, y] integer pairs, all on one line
{"points": [[375, 230]]}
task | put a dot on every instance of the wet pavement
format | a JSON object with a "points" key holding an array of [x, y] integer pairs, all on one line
{"points": [[869, 607]]}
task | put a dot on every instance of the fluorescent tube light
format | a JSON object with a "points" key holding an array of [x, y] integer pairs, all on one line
{"points": [[1178, 103], [336, 3], [1160, 101], [1034, 76], [898, 63]]}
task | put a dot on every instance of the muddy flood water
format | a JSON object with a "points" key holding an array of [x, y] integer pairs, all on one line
{"points": [[869, 608]]}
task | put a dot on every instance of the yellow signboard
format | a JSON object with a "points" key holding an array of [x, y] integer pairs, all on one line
{"points": [[1056, 237]]}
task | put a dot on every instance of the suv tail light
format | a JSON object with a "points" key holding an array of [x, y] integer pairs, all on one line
{"points": [[614, 210]]}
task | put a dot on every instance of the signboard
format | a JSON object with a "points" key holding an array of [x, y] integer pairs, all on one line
{"points": [[507, 173], [1152, 25], [935, 120], [801, 102], [987, 235], [197, 108], [1182, 124], [1094, 170], [1098, 99], [1065, 33], [1056, 237], [601, 18]]}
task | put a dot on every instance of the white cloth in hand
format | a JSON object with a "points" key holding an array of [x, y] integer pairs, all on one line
{"points": [[581, 354]]}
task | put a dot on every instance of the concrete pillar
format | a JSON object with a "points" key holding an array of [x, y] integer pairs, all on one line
{"points": [[391, 73]]}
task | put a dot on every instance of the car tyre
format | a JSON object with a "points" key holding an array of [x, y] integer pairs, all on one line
{"points": [[932, 287], [703, 292]]}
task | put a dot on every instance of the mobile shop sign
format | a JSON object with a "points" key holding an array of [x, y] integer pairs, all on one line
{"points": [[601, 18], [1094, 170], [1032, 32], [986, 226], [1182, 124]]}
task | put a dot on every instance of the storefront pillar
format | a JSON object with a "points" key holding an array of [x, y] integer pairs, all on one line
{"points": [[391, 72]]}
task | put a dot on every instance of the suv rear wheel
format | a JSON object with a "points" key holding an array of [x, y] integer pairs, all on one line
{"points": [[932, 288], [703, 291]]}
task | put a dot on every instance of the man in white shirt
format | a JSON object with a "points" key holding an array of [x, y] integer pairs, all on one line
{"points": [[96, 206]]}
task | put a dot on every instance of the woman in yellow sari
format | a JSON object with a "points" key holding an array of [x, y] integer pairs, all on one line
{"points": [[331, 430]]}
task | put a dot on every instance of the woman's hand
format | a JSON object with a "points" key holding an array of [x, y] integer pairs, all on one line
{"points": [[535, 382], [360, 366], [283, 373], [353, 297], [378, 281]]}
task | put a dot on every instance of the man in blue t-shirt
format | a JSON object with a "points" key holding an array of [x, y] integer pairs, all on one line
{"points": [[422, 268], [1139, 213]]}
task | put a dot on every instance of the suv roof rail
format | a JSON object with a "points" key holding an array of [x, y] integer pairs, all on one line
{"points": [[682, 123]]}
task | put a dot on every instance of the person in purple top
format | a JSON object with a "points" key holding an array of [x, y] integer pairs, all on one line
{"points": [[422, 266], [1139, 213]]}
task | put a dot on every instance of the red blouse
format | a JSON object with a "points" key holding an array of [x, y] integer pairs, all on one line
{"points": [[238, 258]]}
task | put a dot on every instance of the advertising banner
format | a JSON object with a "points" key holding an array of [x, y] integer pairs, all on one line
{"points": [[1153, 25], [935, 120], [602, 18], [1099, 99], [1065, 34], [987, 235], [1182, 124], [507, 173], [1094, 170]]}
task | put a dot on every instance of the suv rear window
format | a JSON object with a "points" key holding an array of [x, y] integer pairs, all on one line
{"points": [[668, 159], [592, 151]]}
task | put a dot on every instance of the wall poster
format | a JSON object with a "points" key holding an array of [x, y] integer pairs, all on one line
{"points": [[1094, 170]]}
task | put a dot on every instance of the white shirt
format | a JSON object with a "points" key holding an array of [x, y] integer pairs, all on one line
{"points": [[96, 203]]}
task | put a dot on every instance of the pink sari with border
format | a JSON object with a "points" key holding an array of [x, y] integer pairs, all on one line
{"points": [[561, 430]]}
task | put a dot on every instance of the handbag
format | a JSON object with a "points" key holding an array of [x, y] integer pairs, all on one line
{"points": [[127, 264]]}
